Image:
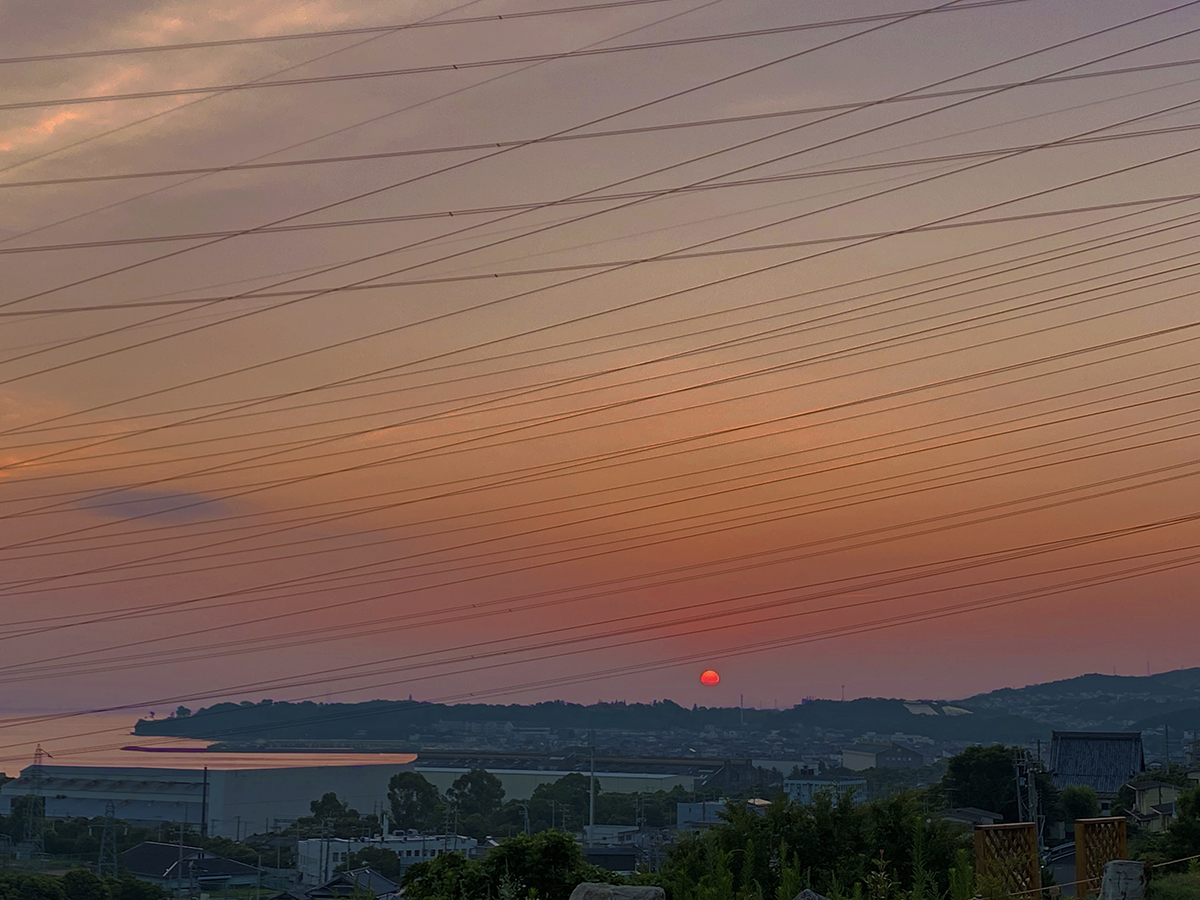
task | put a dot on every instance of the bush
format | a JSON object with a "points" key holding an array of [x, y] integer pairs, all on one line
{"points": [[1180, 886]]}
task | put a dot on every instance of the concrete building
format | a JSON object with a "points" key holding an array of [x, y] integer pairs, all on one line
{"points": [[882, 755], [807, 789], [233, 798], [232, 803], [706, 813], [316, 858]]}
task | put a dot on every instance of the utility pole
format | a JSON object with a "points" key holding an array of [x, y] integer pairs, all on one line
{"points": [[592, 794], [204, 805], [179, 865]]}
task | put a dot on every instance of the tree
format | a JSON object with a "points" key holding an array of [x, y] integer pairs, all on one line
{"points": [[550, 863], [1079, 801], [130, 888], [449, 876], [80, 884], [570, 793], [476, 793], [334, 817], [1183, 838], [413, 799], [23, 886], [985, 777]]}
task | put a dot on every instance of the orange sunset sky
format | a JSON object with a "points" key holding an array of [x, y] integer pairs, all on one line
{"points": [[544, 351]]}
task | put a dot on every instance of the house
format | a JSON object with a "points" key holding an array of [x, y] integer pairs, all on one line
{"points": [[1101, 760], [1153, 806], [347, 884], [177, 864], [880, 755]]}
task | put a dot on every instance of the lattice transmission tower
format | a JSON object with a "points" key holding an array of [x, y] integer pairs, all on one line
{"points": [[106, 864], [34, 841]]}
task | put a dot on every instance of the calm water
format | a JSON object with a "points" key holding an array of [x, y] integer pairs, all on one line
{"points": [[106, 739]]}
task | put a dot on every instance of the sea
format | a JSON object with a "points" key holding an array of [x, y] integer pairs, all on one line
{"points": [[89, 738]]}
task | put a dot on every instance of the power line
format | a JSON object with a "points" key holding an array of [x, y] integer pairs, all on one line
{"points": [[593, 135], [466, 20], [979, 272], [439, 67], [601, 198], [814, 322], [319, 293]]}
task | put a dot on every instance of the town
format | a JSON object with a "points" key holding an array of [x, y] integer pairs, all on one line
{"points": [[486, 805]]}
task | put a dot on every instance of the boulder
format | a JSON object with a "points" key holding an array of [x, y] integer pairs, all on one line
{"points": [[592, 891], [809, 894]]}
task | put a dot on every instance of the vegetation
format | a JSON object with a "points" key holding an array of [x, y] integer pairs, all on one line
{"points": [[1078, 801], [405, 720], [983, 777], [546, 866], [76, 884], [840, 849], [1180, 841]]}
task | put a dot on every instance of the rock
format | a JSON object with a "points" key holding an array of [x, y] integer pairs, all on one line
{"points": [[809, 894], [593, 891], [1124, 879]]}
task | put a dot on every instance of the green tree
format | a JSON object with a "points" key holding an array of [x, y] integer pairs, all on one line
{"points": [[1079, 801], [336, 817], [80, 884], [1183, 838], [550, 863], [450, 876], [130, 888], [985, 777], [570, 794], [23, 886], [478, 792], [413, 799]]}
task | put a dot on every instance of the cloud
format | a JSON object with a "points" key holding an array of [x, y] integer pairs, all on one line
{"points": [[162, 506]]}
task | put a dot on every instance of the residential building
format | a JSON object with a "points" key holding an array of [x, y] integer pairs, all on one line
{"points": [[1153, 804], [1101, 760], [353, 883], [187, 867]]}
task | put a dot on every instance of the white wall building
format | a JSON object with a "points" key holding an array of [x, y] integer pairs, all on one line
{"points": [[316, 858], [233, 802]]}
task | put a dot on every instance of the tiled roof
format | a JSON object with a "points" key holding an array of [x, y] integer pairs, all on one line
{"points": [[154, 859], [1102, 760]]}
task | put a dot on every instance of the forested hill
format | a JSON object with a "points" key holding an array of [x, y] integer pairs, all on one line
{"points": [[382, 720], [1089, 702], [1102, 702]]}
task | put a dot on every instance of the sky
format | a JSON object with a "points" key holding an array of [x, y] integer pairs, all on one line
{"points": [[842, 347]]}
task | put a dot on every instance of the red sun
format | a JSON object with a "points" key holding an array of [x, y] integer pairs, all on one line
{"points": [[709, 677]]}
